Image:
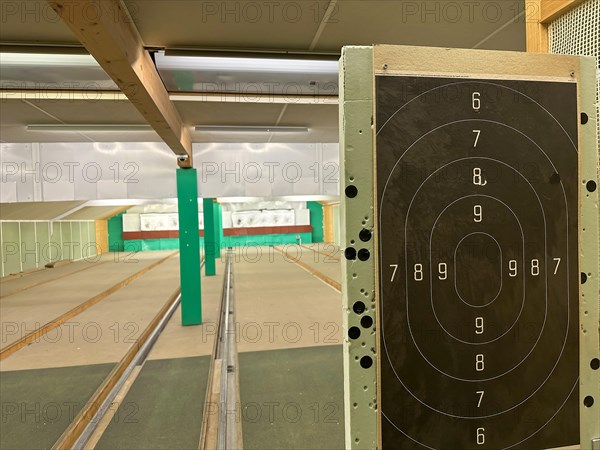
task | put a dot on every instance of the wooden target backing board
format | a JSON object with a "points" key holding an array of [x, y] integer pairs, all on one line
{"points": [[470, 212]]}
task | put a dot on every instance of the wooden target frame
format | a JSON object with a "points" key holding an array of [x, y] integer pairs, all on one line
{"points": [[459, 332]]}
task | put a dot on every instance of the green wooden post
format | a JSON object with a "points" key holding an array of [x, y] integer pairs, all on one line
{"points": [[210, 266], [218, 228], [189, 247]]}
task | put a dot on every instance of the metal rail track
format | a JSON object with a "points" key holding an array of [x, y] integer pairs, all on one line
{"points": [[221, 427]]}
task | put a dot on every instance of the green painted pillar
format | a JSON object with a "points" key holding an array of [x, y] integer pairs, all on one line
{"points": [[316, 220], [189, 247], [218, 228], [210, 266]]}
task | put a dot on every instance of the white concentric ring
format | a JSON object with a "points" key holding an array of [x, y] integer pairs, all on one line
{"points": [[522, 277], [545, 251], [381, 239], [455, 286]]}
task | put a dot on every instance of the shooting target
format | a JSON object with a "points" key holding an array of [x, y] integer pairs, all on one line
{"points": [[477, 228]]}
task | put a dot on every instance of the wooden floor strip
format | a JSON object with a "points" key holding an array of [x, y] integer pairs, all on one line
{"points": [[327, 255], [334, 284], [38, 333]]}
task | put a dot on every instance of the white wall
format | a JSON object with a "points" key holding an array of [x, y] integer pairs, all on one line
{"points": [[146, 170]]}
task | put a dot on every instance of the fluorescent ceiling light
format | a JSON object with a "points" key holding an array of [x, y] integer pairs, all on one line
{"points": [[47, 59], [236, 64], [250, 128], [87, 127]]}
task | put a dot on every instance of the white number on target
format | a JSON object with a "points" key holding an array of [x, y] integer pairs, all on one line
{"points": [[476, 101], [477, 213], [512, 268], [480, 393], [395, 267], [480, 436], [535, 267], [443, 270], [478, 177], [478, 325], [477, 132], [479, 363], [557, 261], [418, 272]]}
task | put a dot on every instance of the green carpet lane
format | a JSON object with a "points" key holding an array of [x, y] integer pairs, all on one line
{"points": [[38, 405], [163, 409], [293, 398], [290, 399]]}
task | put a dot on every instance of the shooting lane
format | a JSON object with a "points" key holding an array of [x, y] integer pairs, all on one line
{"points": [[469, 184]]}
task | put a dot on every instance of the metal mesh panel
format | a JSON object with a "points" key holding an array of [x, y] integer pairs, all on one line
{"points": [[578, 33]]}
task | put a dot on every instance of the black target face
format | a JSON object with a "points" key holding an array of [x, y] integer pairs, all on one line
{"points": [[477, 205]]}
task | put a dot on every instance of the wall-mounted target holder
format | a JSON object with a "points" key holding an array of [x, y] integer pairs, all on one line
{"points": [[470, 226]]}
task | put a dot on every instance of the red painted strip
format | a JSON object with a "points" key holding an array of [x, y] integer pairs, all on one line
{"points": [[250, 231], [253, 231]]}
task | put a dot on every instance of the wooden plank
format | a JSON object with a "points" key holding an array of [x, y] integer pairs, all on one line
{"points": [[328, 223], [210, 425], [332, 283], [101, 236], [552, 9], [330, 255], [466, 63], [536, 32], [107, 31]]}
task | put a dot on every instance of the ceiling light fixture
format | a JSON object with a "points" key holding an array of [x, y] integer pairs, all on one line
{"points": [[81, 127], [250, 128], [237, 64], [47, 59]]}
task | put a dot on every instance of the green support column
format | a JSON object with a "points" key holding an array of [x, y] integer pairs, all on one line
{"points": [[218, 228], [189, 247], [210, 266]]}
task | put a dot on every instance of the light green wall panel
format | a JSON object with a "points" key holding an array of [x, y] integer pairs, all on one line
{"points": [[87, 240], [54, 247], [76, 248], [10, 248], [28, 246], [41, 230], [1, 254], [67, 240]]}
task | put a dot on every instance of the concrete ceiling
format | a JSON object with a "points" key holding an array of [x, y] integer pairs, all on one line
{"points": [[16, 114], [298, 26]]}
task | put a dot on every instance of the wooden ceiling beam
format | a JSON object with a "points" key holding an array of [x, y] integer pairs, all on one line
{"points": [[551, 9], [108, 32], [536, 31]]}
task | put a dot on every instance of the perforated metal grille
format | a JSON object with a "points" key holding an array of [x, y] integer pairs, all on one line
{"points": [[578, 33]]}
